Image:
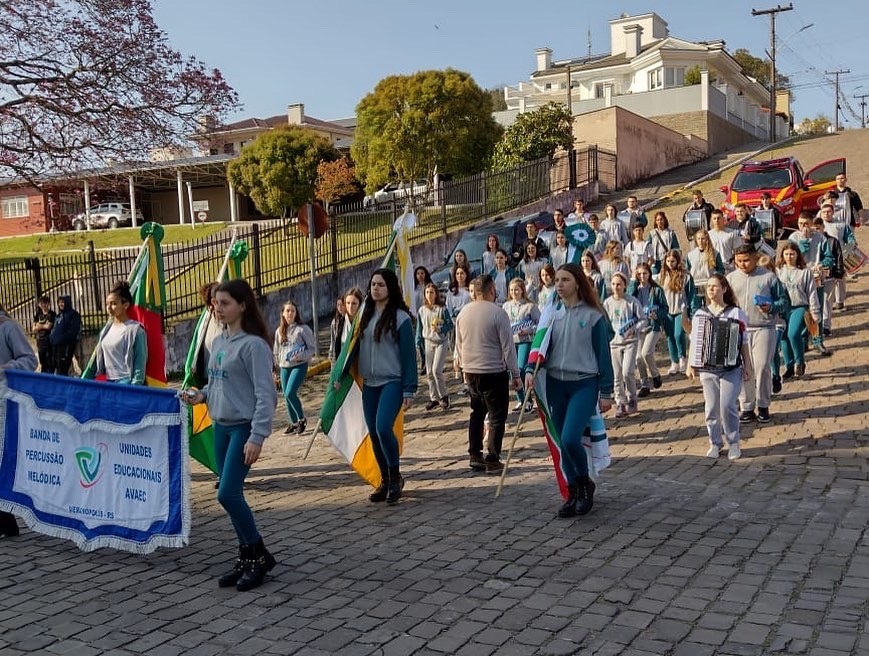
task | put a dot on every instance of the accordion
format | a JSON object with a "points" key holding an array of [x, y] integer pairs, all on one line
{"points": [[715, 342]]}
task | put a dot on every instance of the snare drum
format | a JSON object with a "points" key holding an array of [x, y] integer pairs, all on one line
{"points": [[766, 249], [766, 219], [694, 221], [854, 258]]}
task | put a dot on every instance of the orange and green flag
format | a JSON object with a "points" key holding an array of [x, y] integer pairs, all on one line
{"points": [[200, 430]]}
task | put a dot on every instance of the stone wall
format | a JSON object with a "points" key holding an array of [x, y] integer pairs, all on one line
{"points": [[718, 132]]}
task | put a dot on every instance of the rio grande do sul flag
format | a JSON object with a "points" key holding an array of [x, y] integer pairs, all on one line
{"points": [[102, 465], [341, 417], [147, 287], [200, 430], [594, 438]]}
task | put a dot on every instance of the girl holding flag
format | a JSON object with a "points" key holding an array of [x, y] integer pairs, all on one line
{"points": [[386, 360], [293, 349], [241, 400], [573, 347]]}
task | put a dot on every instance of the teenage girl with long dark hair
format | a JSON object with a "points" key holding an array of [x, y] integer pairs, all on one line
{"points": [[241, 400]]}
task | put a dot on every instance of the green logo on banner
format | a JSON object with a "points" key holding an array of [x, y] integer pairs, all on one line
{"points": [[89, 463]]}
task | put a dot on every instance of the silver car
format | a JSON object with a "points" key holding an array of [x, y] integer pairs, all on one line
{"points": [[108, 215]]}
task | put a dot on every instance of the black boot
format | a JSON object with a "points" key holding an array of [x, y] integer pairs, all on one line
{"points": [[569, 507], [245, 552], [256, 567], [379, 493], [585, 495], [8, 525], [395, 486]]}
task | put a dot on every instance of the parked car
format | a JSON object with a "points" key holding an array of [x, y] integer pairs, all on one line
{"points": [[473, 242], [791, 189], [108, 215], [396, 191]]}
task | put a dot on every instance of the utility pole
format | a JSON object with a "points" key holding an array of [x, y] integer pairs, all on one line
{"points": [[862, 99], [836, 104], [772, 14]]}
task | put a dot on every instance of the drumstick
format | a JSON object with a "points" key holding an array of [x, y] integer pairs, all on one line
{"points": [[515, 435]]}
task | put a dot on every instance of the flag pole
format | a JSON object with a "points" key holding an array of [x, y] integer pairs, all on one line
{"points": [[313, 437], [515, 434]]}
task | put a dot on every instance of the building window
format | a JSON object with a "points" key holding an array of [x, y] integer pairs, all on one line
{"points": [[547, 86], [674, 77], [229, 148], [656, 79], [598, 89], [15, 207]]}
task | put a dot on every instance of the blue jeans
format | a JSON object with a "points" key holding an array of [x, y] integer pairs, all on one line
{"points": [[291, 380], [381, 405], [229, 444], [523, 350], [572, 403]]}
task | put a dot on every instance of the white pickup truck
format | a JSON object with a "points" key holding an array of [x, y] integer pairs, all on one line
{"points": [[108, 215], [396, 191]]}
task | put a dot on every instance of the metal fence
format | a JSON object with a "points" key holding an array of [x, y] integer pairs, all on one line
{"points": [[279, 254]]}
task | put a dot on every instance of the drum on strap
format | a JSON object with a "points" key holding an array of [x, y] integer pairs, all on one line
{"points": [[694, 221], [854, 258], [765, 248], [766, 219]]}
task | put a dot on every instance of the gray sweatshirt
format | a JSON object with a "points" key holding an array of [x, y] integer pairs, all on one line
{"points": [[15, 349], [296, 349], [580, 347], [800, 285], [392, 358], [760, 282], [484, 341], [240, 386]]}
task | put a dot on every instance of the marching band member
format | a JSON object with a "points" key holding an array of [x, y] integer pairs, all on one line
{"points": [[523, 315], [701, 262], [663, 240], [761, 296], [681, 295], [722, 385], [579, 378], [651, 298], [800, 285], [628, 320]]}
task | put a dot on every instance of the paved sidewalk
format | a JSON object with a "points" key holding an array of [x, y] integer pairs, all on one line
{"points": [[681, 555]]}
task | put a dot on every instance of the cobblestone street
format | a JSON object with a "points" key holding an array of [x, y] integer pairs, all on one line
{"points": [[681, 555]]}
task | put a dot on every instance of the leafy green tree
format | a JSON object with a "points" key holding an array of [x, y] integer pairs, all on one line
{"points": [[279, 169], [759, 69], [692, 76], [535, 134], [815, 126], [498, 102], [411, 126]]}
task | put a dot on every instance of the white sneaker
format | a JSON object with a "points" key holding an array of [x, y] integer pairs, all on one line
{"points": [[683, 365], [734, 452], [713, 452], [674, 369]]}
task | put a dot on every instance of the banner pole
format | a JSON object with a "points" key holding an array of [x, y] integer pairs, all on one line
{"points": [[515, 435]]}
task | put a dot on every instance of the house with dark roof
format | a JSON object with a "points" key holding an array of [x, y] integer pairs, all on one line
{"points": [[229, 139], [696, 89]]}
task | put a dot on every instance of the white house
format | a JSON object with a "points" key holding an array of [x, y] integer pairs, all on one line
{"points": [[645, 73]]}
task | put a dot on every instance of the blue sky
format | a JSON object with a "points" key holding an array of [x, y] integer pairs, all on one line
{"points": [[329, 53]]}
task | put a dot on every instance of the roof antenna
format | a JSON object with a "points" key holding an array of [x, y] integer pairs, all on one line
{"points": [[589, 41]]}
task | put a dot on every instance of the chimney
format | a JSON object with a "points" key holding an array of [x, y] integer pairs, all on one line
{"points": [[205, 123], [296, 114], [544, 58], [633, 34]]}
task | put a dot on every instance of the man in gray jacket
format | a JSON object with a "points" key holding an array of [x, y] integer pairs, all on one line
{"points": [[487, 357], [15, 353]]}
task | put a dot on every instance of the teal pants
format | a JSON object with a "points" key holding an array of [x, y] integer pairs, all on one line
{"points": [[793, 346], [523, 350], [676, 339], [291, 380]]}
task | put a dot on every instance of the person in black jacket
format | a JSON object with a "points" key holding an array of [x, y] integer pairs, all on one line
{"points": [[531, 235], [699, 203], [43, 321], [747, 226], [848, 203], [65, 335]]}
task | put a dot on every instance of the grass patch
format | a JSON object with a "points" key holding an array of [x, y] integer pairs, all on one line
{"points": [[58, 242]]}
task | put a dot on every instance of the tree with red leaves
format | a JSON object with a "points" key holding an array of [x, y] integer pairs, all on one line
{"points": [[86, 81]]}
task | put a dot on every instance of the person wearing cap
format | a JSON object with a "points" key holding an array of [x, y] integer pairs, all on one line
{"points": [[766, 204]]}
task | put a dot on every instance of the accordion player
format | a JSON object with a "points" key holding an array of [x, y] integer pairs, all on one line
{"points": [[716, 342]]}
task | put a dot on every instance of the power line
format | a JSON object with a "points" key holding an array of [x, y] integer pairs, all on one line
{"points": [[836, 110]]}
